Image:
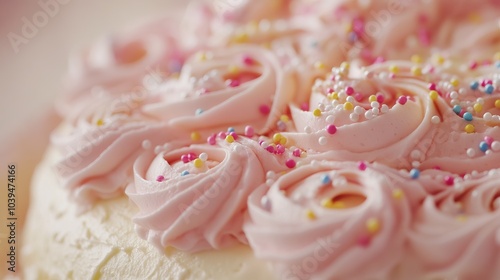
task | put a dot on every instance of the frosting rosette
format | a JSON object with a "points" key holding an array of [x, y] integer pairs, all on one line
{"points": [[231, 87], [333, 220], [125, 62], [194, 197], [101, 142], [457, 233], [372, 115]]}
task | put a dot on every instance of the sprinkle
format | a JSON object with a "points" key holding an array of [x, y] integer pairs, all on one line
{"points": [[330, 119], [195, 136], [364, 241], [349, 91], [184, 173], [384, 109], [304, 106], [439, 59], [146, 144], [362, 165], [432, 86], [497, 104], [369, 115], [317, 113], [191, 156], [284, 118], [471, 152], [203, 156], [307, 129], [100, 122], [354, 117], [198, 111], [198, 163], [265, 202], [232, 83], [222, 135], [201, 56], [402, 100], [229, 139], [397, 194], [270, 149], [454, 82], [277, 137], [280, 149], [487, 116], [467, 116], [489, 89], [474, 85], [416, 71], [290, 163], [416, 58], [160, 178], [495, 146], [328, 203], [322, 141], [449, 180], [235, 136], [319, 65], [373, 225], [414, 173], [488, 139], [185, 158], [470, 128], [435, 119], [264, 109], [483, 146], [457, 109], [348, 106], [394, 69], [249, 131], [281, 126], [296, 152], [247, 60], [433, 94], [310, 214], [478, 107], [331, 129], [325, 179]]}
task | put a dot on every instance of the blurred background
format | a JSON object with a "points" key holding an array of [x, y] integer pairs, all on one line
{"points": [[33, 63]]}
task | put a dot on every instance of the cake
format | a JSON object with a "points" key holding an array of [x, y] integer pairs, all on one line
{"points": [[280, 139]]}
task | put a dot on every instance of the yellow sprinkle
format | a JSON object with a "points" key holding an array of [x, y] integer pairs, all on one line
{"points": [[303, 154], [284, 118], [348, 106], [373, 225], [397, 194], [319, 65], [201, 56], [497, 56], [310, 214], [478, 107], [333, 96], [433, 94], [394, 69], [229, 139], [195, 136], [470, 128], [439, 59], [233, 69], [283, 141], [497, 104], [416, 58], [372, 98], [345, 65], [240, 38], [416, 71], [461, 218], [100, 122], [317, 113], [328, 203], [198, 163], [348, 27], [277, 137], [454, 82]]}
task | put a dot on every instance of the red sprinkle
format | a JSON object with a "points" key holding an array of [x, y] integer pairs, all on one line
{"points": [[432, 86], [489, 140], [364, 241], [402, 100], [185, 158], [380, 98], [160, 178], [270, 149], [264, 109], [362, 165], [290, 163], [349, 91], [358, 96], [232, 83], [331, 129], [192, 156], [280, 149], [247, 60], [235, 136], [296, 152], [448, 180]]}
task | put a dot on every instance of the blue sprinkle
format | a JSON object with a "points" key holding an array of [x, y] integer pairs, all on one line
{"points": [[468, 116], [184, 173], [483, 146], [326, 179], [474, 85], [353, 37], [198, 111], [457, 109], [231, 129], [489, 89], [497, 64], [414, 173]]}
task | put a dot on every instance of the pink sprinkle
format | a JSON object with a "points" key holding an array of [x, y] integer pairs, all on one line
{"points": [[437, 167], [331, 129], [448, 180], [358, 26], [380, 98], [232, 83], [349, 91], [192, 156], [247, 60], [264, 109], [222, 135], [364, 241], [290, 163], [358, 96], [392, 76], [211, 140], [424, 37], [270, 149], [234, 134], [296, 152], [249, 131], [261, 142], [473, 65], [160, 178], [362, 165], [379, 59], [280, 149], [333, 77], [402, 100], [489, 140], [432, 86], [329, 90], [462, 112], [185, 158], [304, 106]]}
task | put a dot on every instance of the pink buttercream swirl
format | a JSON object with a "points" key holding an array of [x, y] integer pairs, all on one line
{"points": [[200, 205], [458, 232], [351, 225]]}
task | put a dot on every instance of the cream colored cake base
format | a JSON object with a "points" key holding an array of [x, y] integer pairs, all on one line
{"points": [[102, 243]]}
